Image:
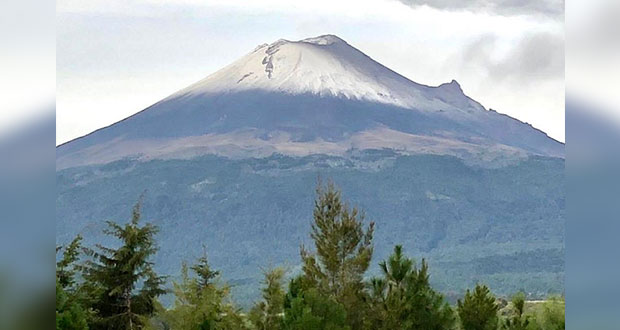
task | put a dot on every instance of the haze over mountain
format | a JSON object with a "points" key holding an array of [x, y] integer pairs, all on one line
{"points": [[232, 161]]}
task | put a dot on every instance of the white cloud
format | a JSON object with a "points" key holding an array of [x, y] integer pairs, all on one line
{"points": [[550, 8]]}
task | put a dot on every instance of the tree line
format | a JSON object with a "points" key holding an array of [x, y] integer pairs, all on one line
{"points": [[102, 287]]}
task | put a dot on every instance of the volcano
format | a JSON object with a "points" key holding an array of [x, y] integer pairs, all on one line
{"points": [[313, 96], [231, 162]]}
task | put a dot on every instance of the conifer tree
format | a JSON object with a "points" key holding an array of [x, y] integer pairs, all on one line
{"points": [[343, 252], [404, 299], [70, 314], [205, 274], [427, 308], [305, 308], [113, 275], [268, 314], [65, 268], [478, 309], [397, 271], [200, 303]]}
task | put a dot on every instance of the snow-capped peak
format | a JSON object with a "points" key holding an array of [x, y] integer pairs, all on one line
{"points": [[327, 66], [326, 39], [314, 96]]}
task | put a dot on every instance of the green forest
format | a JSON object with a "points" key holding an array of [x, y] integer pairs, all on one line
{"points": [[117, 287]]}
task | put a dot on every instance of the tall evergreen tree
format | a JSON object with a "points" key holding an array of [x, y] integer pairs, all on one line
{"points": [[404, 299], [427, 308], [343, 252], [268, 314], [478, 309], [305, 308], [113, 275], [200, 304]]}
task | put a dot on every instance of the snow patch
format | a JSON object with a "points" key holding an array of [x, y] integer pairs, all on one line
{"points": [[327, 65], [324, 40], [199, 186]]}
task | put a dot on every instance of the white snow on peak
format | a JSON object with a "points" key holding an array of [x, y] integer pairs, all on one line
{"points": [[328, 66], [323, 66], [326, 39]]}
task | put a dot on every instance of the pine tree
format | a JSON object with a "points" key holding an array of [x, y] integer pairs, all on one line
{"points": [[267, 314], [343, 252], [397, 271], [427, 308], [305, 308], [113, 275], [478, 309], [377, 315], [70, 314], [65, 268], [404, 299], [200, 303], [205, 274]]}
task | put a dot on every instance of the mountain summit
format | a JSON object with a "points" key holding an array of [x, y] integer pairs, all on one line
{"points": [[327, 66], [313, 96]]}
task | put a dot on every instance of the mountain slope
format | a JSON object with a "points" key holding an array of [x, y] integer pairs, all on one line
{"points": [[503, 226], [317, 95]]}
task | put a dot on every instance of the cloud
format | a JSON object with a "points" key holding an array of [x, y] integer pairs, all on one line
{"points": [[521, 77], [549, 8], [535, 57]]}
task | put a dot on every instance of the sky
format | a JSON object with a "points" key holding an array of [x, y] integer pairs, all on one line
{"points": [[117, 57]]}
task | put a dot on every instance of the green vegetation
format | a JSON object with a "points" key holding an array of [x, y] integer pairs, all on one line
{"points": [[200, 303], [117, 288], [478, 310], [503, 227], [344, 251], [267, 314], [404, 299], [306, 308], [518, 321], [549, 315], [112, 276], [70, 312]]}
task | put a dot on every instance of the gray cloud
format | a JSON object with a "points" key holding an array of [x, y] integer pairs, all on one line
{"points": [[550, 8], [537, 56]]}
